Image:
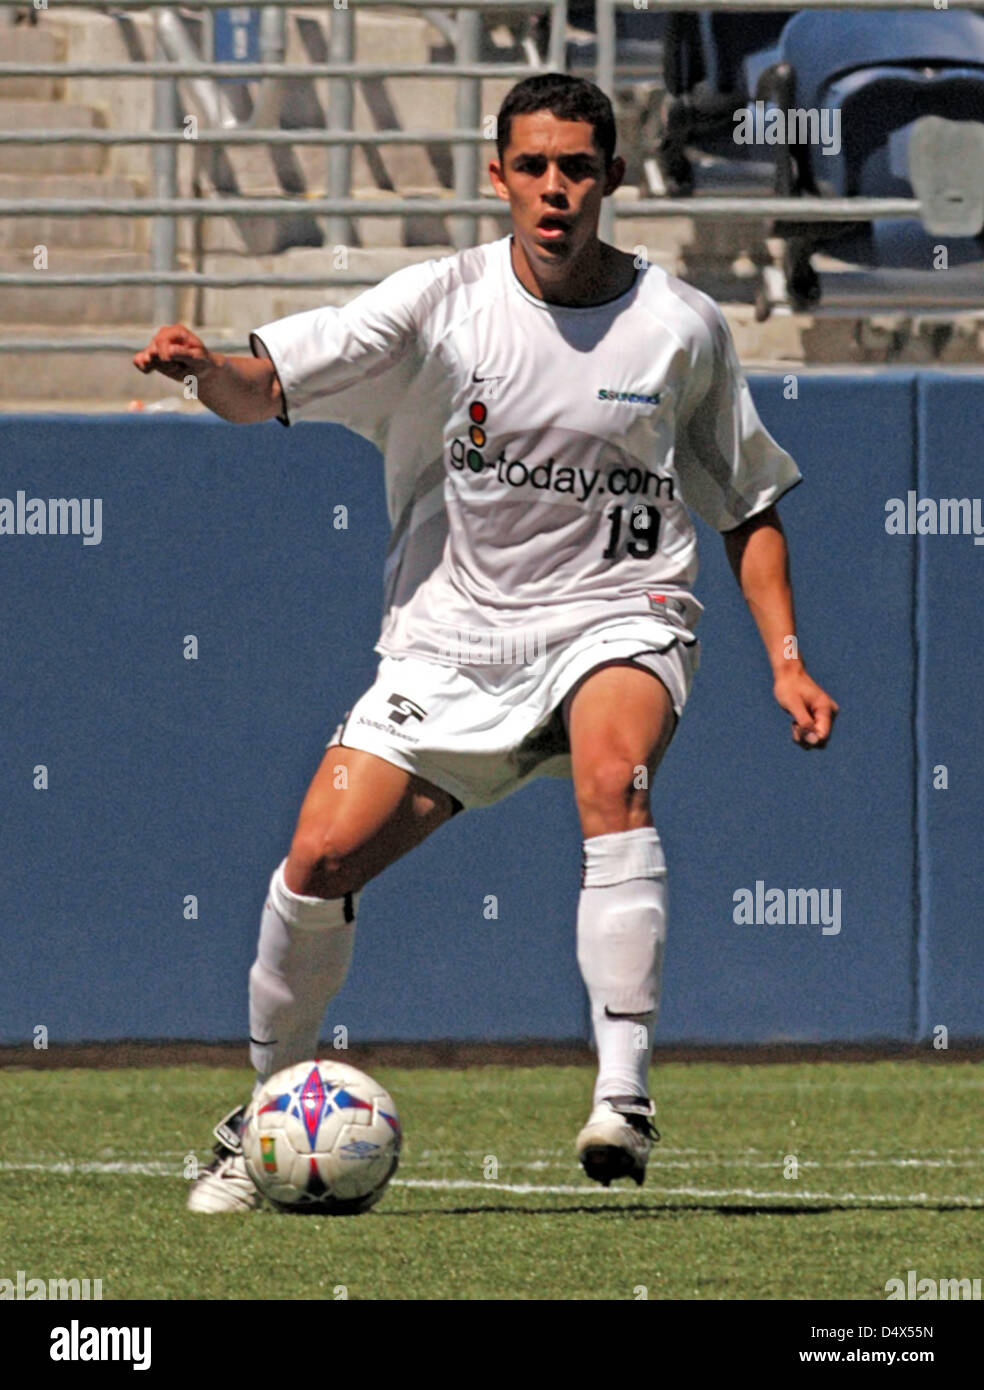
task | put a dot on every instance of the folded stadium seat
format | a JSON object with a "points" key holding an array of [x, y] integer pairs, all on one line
{"points": [[705, 62], [908, 91]]}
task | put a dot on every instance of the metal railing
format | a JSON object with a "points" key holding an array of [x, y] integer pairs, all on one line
{"points": [[801, 209], [338, 139], [463, 203]]}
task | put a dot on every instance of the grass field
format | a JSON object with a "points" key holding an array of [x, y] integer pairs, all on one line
{"points": [[890, 1178]]}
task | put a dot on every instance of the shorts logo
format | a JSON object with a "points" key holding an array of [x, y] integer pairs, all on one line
{"points": [[403, 708]]}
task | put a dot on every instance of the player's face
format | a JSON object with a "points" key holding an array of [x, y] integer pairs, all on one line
{"points": [[553, 175]]}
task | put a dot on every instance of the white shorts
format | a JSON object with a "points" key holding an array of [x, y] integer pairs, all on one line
{"points": [[481, 732]]}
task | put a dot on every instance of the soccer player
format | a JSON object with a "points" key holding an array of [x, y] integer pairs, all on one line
{"points": [[548, 408]]}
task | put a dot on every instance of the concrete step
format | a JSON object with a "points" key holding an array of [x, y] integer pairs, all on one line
{"points": [[45, 115], [28, 45], [845, 340], [379, 37], [83, 306], [379, 104], [403, 104], [658, 239], [724, 259], [104, 381], [247, 308], [223, 234], [49, 159], [126, 104], [86, 380], [117, 233]]}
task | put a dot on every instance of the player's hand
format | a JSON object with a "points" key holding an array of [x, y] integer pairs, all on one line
{"points": [[175, 352], [812, 709]]}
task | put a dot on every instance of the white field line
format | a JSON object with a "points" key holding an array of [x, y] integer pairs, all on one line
{"points": [[167, 1170], [841, 1198], [670, 1154], [159, 1168], [703, 1164], [970, 1081], [68, 1167]]}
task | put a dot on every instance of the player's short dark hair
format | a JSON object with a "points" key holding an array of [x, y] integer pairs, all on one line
{"points": [[568, 98]]}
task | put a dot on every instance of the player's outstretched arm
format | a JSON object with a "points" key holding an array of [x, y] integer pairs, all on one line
{"points": [[759, 557], [242, 389]]}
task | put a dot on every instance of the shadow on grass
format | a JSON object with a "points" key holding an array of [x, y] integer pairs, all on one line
{"points": [[684, 1209]]}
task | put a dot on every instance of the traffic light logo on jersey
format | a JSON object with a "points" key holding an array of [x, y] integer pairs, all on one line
{"points": [[477, 414], [403, 708], [467, 453]]}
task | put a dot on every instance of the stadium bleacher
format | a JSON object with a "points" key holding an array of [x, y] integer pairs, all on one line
{"points": [[794, 293], [907, 92]]}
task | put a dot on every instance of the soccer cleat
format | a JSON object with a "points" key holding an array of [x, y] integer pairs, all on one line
{"points": [[225, 1184], [615, 1142]]}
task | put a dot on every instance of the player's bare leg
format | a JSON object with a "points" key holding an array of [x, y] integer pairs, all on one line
{"points": [[359, 815], [620, 722]]}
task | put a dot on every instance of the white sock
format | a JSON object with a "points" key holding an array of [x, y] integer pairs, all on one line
{"points": [[621, 928], [302, 959]]}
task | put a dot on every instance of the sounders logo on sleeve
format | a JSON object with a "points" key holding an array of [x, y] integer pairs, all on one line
{"points": [[628, 397]]}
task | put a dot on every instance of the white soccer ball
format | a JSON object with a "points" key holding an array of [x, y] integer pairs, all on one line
{"points": [[321, 1137]]}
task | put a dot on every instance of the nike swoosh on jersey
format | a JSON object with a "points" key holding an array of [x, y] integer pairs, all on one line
{"points": [[478, 379]]}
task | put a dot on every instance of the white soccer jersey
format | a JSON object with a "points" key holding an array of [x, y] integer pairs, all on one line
{"points": [[540, 460]]}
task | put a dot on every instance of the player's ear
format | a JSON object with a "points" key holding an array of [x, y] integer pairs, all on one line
{"points": [[614, 175], [498, 182]]}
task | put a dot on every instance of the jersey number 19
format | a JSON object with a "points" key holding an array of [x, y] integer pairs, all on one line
{"points": [[643, 535]]}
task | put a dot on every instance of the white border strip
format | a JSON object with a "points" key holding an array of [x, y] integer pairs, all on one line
{"points": [[789, 1194]]}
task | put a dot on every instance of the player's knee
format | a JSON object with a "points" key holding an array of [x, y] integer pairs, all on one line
{"points": [[323, 864], [613, 794]]}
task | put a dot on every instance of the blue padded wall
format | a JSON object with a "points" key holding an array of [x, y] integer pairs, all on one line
{"points": [[171, 777]]}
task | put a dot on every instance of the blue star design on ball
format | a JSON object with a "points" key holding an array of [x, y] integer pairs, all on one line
{"points": [[311, 1101]]}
